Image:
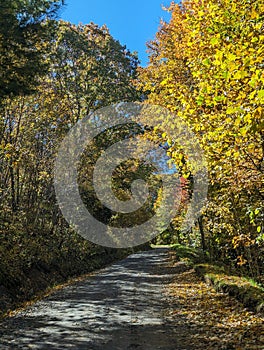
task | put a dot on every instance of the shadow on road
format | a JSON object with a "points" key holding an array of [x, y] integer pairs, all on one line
{"points": [[122, 307]]}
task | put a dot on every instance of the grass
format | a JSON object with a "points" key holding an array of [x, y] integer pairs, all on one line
{"points": [[190, 255]]}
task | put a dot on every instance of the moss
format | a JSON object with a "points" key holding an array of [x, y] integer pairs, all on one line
{"points": [[246, 291]]}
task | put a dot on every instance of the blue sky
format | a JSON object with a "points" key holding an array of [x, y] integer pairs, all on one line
{"points": [[133, 23]]}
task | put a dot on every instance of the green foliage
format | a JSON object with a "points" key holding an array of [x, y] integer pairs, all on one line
{"points": [[80, 79], [90, 69], [26, 28], [190, 255]]}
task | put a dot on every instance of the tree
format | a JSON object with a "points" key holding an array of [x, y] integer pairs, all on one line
{"points": [[26, 27], [88, 69], [206, 65]]}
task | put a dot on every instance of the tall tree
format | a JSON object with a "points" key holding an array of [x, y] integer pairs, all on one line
{"points": [[206, 66], [88, 69], [26, 27]]}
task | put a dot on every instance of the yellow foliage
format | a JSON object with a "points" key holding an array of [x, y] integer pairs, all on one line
{"points": [[207, 67]]}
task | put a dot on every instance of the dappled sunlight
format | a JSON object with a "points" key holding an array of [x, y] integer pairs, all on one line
{"points": [[120, 304], [143, 302]]}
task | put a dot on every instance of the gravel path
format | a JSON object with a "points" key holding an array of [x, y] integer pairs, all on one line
{"points": [[121, 307], [143, 302]]}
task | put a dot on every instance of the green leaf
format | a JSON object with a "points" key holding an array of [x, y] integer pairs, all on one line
{"points": [[215, 41], [261, 94]]}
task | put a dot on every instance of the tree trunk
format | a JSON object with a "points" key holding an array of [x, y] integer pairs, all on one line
{"points": [[200, 223]]}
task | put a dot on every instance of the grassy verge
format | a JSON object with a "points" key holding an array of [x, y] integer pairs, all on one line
{"points": [[243, 289], [246, 291], [189, 255]]}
